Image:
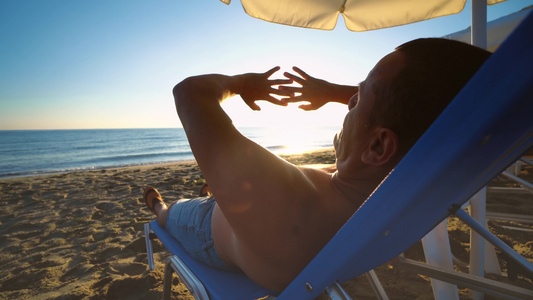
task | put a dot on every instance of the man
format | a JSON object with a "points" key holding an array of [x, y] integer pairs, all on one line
{"points": [[269, 218]]}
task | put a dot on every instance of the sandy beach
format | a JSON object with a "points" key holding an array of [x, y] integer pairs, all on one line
{"points": [[80, 235]]}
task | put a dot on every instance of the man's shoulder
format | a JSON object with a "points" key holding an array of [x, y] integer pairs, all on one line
{"points": [[321, 171]]}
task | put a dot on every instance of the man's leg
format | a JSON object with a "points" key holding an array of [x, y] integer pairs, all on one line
{"points": [[161, 211]]}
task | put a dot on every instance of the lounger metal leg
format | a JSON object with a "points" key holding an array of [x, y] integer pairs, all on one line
{"points": [[527, 161], [438, 253], [494, 240], [376, 285], [167, 281], [487, 286], [336, 292], [477, 243], [188, 278], [479, 249], [149, 251], [524, 183]]}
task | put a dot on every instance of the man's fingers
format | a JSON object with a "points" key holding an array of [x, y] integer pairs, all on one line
{"points": [[292, 89], [271, 71], [293, 99], [302, 73], [282, 92], [275, 101], [307, 107], [279, 81], [294, 78], [253, 106]]}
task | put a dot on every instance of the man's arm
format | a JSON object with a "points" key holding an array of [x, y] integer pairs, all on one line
{"points": [[247, 180], [316, 91]]}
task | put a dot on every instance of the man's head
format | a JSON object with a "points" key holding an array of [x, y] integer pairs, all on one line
{"points": [[435, 71], [401, 97]]}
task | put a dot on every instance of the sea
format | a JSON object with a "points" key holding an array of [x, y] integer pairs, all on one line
{"points": [[36, 152]]}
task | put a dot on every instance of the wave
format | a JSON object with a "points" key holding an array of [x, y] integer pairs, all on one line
{"points": [[88, 168], [136, 157]]}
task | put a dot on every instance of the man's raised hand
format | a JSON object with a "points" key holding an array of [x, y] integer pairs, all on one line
{"points": [[257, 86]]}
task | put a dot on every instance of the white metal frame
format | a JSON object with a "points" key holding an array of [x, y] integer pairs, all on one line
{"points": [[482, 255], [196, 287]]}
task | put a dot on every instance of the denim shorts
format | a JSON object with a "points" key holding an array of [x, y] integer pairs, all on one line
{"points": [[189, 221]]}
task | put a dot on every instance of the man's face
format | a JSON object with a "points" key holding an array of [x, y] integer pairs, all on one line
{"points": [[356, 131]]}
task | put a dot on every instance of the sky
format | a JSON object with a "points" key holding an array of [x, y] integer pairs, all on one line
{"points": [[68, 64]]}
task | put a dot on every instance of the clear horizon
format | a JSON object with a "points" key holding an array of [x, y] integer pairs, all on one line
{"points": [[110, 65]]}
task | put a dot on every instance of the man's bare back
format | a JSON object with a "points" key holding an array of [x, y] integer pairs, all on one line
{"points": [[274, 256]]}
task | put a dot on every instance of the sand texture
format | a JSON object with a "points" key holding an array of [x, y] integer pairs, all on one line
{"points": [[79, 235]]}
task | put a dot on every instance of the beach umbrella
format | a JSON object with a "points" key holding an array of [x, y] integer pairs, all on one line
{"points": [[363, 15]]}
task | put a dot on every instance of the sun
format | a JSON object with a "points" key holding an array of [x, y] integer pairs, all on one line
{"points": [[287, 130]]}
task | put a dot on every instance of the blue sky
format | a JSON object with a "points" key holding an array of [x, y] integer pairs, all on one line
{"points": [[68, 64]]}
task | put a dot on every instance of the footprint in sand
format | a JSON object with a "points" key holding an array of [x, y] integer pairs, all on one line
{"points": [[78, 272], [129, 268]]}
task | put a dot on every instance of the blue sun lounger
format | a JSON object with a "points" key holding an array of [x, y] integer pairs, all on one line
{"points": [[487, 127]]}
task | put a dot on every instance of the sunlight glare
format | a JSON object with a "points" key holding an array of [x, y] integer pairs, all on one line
{"points": [[291, 130], [290, 116]]}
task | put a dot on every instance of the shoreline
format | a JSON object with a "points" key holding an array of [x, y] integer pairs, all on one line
{"points": [[187, 161], [79, 235], [92, 169]]}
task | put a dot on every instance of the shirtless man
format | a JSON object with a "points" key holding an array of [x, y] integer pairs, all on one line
{"points": [[270, 218]]}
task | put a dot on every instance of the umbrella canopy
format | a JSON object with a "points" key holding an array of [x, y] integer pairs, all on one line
{"points": [[359, 15]]}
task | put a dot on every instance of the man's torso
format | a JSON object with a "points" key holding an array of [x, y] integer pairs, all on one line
{"points": [[274, 256]]}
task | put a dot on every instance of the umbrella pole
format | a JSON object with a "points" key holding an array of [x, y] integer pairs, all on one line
{"points": [[477, 244], [479, 23]]}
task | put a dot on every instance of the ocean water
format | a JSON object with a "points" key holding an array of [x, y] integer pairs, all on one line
{"points": [[34, 152]]}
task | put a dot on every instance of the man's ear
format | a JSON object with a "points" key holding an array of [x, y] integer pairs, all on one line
{"points": [[382, 147]]}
